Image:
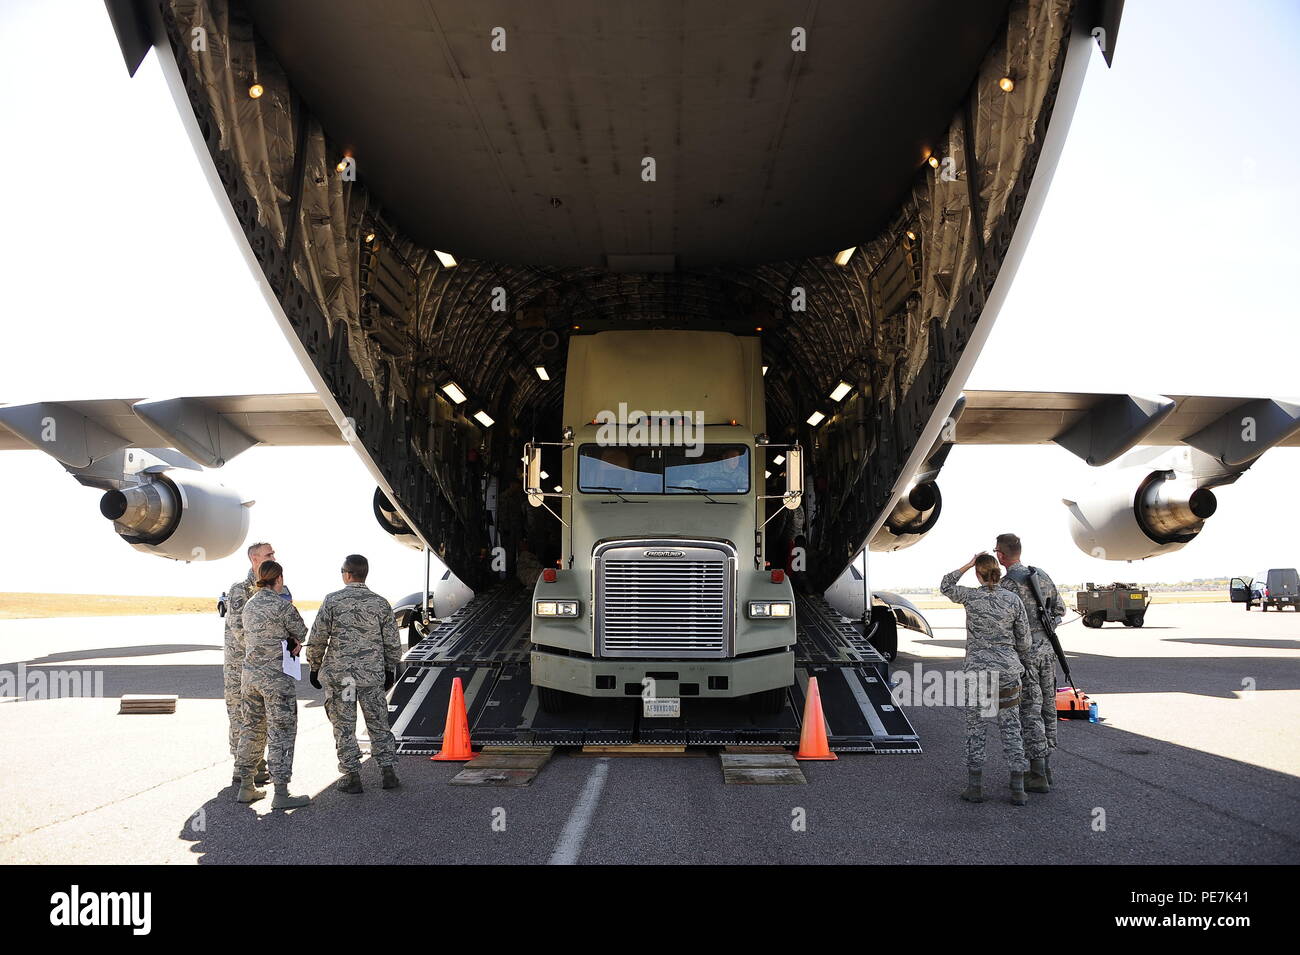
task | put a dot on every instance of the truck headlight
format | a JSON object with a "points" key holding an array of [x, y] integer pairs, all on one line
{"points": [[557, 608], [764, 609]]}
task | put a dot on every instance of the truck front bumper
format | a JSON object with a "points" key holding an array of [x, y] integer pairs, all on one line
{"points": [[713, 679]]}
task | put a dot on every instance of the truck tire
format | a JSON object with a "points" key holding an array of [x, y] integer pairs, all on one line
{"points": [[884, 635], [1094, 620], [768, 702], [1137, 620], [415, 630], [552, 700]]}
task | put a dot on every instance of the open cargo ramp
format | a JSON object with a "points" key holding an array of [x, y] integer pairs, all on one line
{"points": [[486, 645]]}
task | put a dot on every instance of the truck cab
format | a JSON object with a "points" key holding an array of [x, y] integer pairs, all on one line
{"points": [[663, 591]]}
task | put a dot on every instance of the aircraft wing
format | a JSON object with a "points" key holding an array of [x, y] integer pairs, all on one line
{"points": [[209, 430], [1172, 450], [1100, 427]]}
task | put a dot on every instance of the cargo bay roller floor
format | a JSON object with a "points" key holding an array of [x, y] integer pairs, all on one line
{"points": [[486, 645]]}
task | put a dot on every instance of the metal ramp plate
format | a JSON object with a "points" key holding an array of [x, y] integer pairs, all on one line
{"points": [[486, 645], [761, 769], [502, 769]]}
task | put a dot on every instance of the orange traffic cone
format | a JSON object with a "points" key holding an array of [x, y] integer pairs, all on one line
{"points": [[455, 736], [812, 738]]}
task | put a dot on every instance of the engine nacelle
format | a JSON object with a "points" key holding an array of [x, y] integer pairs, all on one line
{"points": [[1114, 522], [392, 522], [179, 515], [911, 519]]}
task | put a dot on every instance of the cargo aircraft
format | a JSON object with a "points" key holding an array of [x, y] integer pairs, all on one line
{"points": [[792, 225]]}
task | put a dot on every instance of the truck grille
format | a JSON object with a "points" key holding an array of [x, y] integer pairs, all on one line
{"points": [[677, 606]]}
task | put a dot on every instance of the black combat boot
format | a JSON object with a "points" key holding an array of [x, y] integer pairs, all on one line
{"points": [[974, 791], [1036, 781], [349, 783], [283, 800], [390, 777], [1018, 797]]}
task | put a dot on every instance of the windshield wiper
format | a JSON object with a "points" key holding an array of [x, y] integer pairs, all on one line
{"points": [[696, 490], [611, 490]]}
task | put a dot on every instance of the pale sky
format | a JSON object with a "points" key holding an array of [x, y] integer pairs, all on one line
{"points": [[1163, 262]]}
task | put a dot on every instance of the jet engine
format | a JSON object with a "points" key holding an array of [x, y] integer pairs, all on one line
{"points": [[179, 515], [911, 519], [392, 522], [1113, 522]]}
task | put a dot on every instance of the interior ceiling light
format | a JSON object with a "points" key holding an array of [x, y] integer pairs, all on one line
{"points": [[767, 474], [483, 418], [370, 237], [842, 389], [542, 373], [452, 391], [1006, 84], [842, 257], [255, 91], [911, 235], [446, 258], [559, 488], [343, 164], [544, 475], [933, 161], [816, 418], [779, 460], [765, 370]]}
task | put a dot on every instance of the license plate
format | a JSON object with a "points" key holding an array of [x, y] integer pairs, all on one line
{"points": [[668, 706]]}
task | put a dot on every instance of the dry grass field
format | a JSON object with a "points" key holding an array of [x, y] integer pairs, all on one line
{"points": [[22, 606], [928, 602]]}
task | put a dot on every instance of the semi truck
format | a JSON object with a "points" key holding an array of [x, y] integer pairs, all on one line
{"points": [[663, 589]]}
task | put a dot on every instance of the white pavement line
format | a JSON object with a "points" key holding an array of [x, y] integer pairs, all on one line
{"points": [[575, 830]]}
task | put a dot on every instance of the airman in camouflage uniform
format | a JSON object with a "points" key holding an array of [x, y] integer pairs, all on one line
{"points": [[269, 694], [510, 523], [529, 568], [1038, 704], [997, 640], [232, 670], [355, 650]]}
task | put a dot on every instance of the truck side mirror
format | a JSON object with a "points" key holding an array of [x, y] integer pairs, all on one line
{"points": [[793, 478], [533, 475]]}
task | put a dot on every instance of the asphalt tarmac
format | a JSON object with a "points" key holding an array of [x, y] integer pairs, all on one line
{"points": [[1196, 761]]}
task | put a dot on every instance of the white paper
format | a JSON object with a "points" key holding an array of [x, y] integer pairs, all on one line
{"points": [[290, 664]]}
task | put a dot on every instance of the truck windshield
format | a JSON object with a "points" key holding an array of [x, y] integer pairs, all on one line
{"points": [[718, 469]]}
